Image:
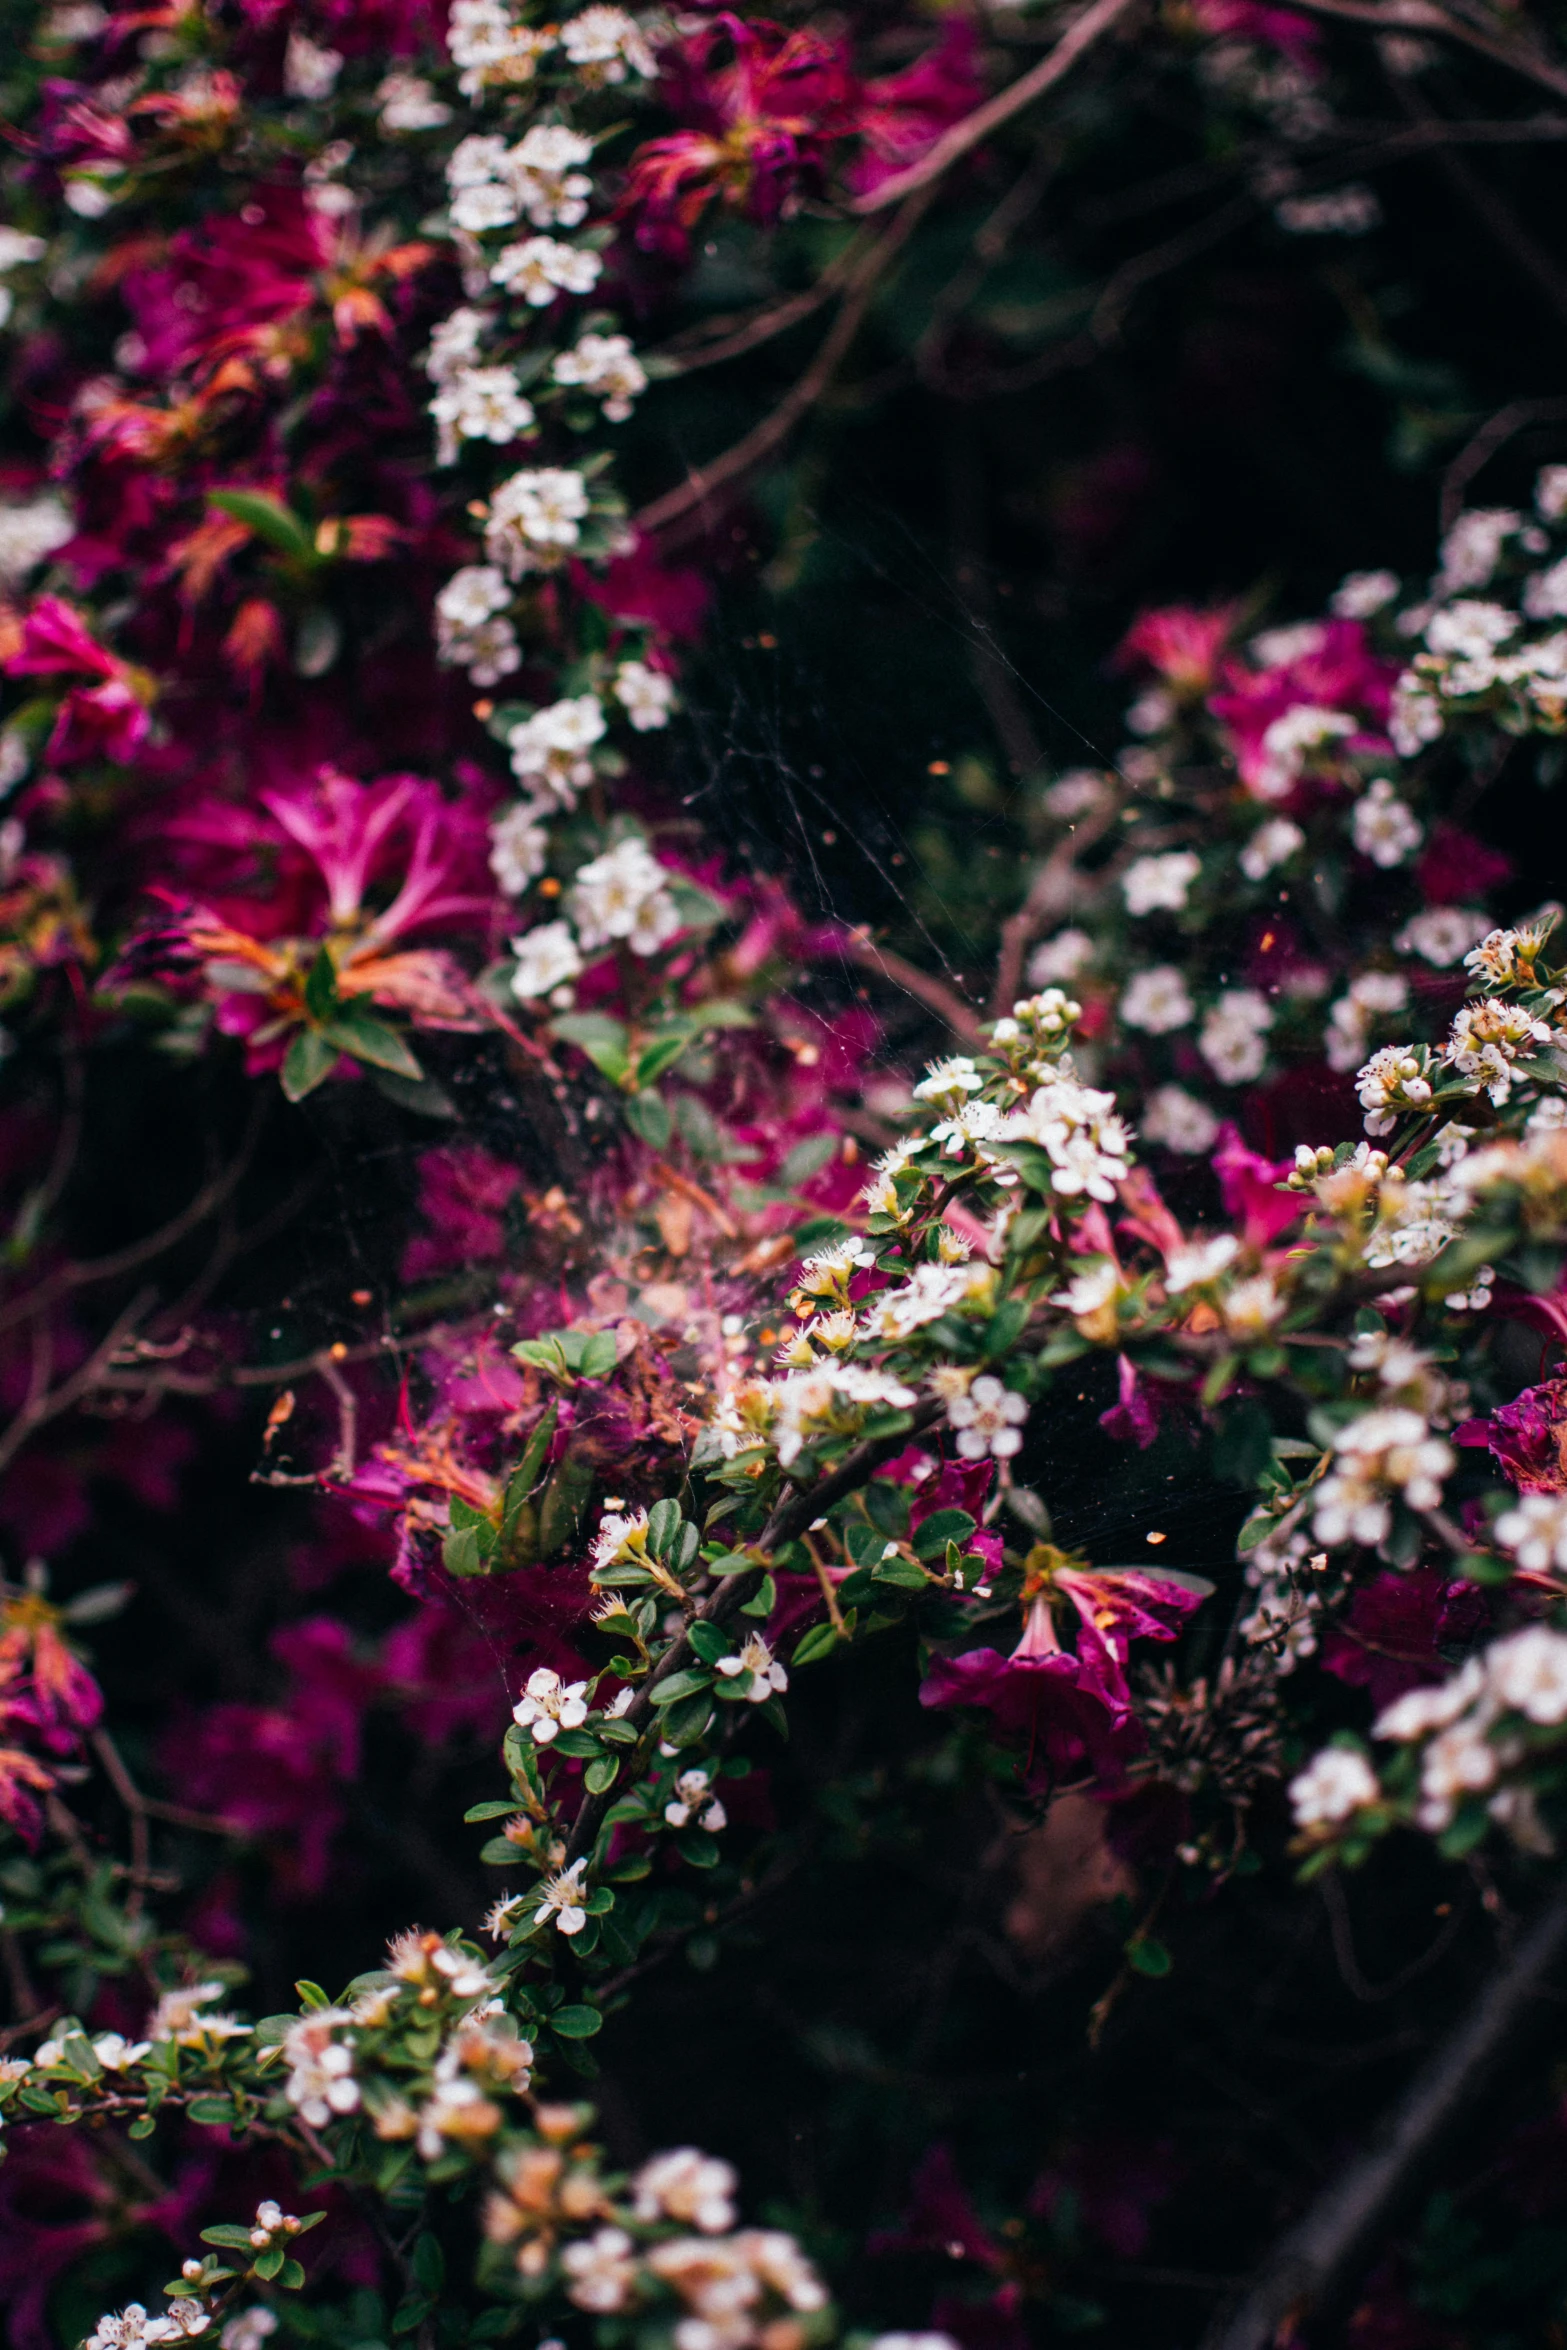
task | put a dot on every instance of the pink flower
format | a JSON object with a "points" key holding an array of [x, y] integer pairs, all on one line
{"points": [[1181, 643], [1041, 1697], [903, 115], [1336, 675], [1396, 1629], [463, 1195], [1249, 20], [960, 1485], [1247, 1186], [759, 126], [1527, 1438]]}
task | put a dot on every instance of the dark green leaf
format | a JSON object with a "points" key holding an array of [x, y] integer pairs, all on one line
{"points": [[308, 1061]]}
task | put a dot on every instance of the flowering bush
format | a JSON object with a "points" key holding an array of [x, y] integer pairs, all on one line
{"points": [[520, 1316]]}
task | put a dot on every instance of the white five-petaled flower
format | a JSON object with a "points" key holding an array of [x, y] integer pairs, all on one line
{"points": [[694, 1799], [1160, 884], [1156, 1000], [624, 894], [686, 2185], [1233, 1036], [549, 1705], [540, 268], [519, 847], [561, 1897], [602, 2269], [606, 367], [1334, 1785], [534, 517], [1383, 827], [320, 2083], [548, 961], [1535, 1531], [646, 695], [756, 1660], [988, 1419]]}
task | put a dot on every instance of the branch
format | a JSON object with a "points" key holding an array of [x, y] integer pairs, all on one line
{"points": [[1049, 894], [967, 134], [960, 1017], [1419, 16], [789, 1518], [699, 486], [1319, 2260], [1483, 445]]}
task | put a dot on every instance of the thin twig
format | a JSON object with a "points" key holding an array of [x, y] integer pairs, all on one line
{"points": [[962, 1018], [1419, 16], [966, 135]]}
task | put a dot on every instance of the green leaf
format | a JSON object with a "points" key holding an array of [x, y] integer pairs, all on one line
{"points": [[142, 2127], [600, 1776], [429, 2263], [311, 1994], [228, 2238], [762, 1601], [807, 1158], [664, 1521], [602, 1039], [493, 1810], [308, 1061], [1146, 1956], [710, 1642], [321, 988], [268, 2263], [660, 1055], [648, 1116], [463, 1553], [597, 1359], [685, 1684], [425, 1097], [368, 1039], [270, 520], [940, 1528], [684, 1724], [818, 1642], [576, 2023], [291, 2276]]}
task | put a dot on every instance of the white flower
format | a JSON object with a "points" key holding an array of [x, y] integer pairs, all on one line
{"points": [[545, 173], [29, 534], [1441, 934], [320, 2080], [1550, 492], [547, 961], [1393, 1079], [1488, 1037], [552, 746], [1286, 743], [309, 71], [1061, 957], [646, 695], [539, 509], [456, 343], [17, 248], [486, 206], [694, 1798], [1152, 884], [1383, 827], [1334, 1785], [477, 162], [519, 850], [250, 2330], [1086, 1142], [549, 1705], [755, 1659], [623, 895], [1387, 1450], [1272, 844], [128, 2329], [602, 2269], [488, 652], [472, 595], [1472, 548], [601, 42], [1337, 212], [178, 2011], [1232, 1036], [1180, 1121], [560, 1897], [541, 267], [1458, 1762], [1527, 1673], [606, 366], [988, 1420], [408, 103], [1535, 1531], [1201, 1262], [1156, 1000], [949, 1081], [1470, 627], [1545, 595], [1420, 1711], [929, 1292], [489, 47], [1361, 593], [694, 2188], [1415, 718], [480, 404], [117, 2054], [1252, 1308]]}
